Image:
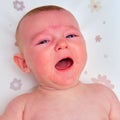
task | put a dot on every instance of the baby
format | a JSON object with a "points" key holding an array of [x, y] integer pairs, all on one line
{"points": [[53, 49]]}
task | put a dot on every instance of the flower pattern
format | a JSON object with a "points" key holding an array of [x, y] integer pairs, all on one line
{"points": [[18, 5], [16, 84], [102, 79], [98, 38], [94, 5]]}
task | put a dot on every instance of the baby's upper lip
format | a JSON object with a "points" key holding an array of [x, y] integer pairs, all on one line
{"points": [[64, 63]]}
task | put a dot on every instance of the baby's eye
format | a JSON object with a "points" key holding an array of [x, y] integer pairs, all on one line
{"points": [[71, 36], [43, 42]]}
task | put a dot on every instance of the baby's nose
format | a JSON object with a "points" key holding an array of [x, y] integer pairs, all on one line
{"points": [[61, 45]]}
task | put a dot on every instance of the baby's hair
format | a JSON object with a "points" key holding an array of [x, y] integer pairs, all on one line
{"points": [[37, 10]]}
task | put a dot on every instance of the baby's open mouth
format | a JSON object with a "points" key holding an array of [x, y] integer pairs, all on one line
{"points": [[64, 64]]}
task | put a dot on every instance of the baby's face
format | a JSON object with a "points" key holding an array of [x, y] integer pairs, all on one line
{"points": [[53, 48]]}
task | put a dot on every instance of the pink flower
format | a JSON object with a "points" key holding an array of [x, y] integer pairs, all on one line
{"points": [[98, 38], [95, 5], [18, 5], [102, 79]]}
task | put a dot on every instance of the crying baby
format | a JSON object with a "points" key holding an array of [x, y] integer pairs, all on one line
{"points": [[53, 49]]}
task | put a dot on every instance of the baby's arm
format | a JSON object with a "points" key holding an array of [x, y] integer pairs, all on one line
{"points": [[115, 108], [111, 100], [14, 110]]}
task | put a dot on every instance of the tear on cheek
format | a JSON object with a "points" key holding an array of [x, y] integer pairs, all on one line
{"points": [[64, 64]]}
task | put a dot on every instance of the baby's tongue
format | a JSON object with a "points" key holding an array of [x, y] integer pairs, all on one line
{"points": [[63, 64]]}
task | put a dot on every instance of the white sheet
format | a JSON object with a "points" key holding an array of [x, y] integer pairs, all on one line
{"points": [[99, 23]]}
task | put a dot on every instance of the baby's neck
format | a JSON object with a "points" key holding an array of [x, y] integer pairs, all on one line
{"points": [[60, 93]]}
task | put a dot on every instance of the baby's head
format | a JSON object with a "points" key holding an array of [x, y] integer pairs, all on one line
{"points": [[51, 47]]}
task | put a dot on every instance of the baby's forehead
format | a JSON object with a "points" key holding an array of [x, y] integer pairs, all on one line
{"points": [[50, 16], [43, 13]]}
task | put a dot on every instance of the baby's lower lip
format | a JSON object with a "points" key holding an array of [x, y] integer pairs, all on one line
{"points": [[64, 64]]}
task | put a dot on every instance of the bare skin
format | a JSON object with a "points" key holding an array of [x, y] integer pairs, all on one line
{"points": [[60, 95], [77, 103]]}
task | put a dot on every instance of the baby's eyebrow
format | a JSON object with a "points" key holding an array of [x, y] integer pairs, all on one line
{"points": [[36, 34], [51, 28]]}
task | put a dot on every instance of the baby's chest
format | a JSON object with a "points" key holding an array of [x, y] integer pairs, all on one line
{"points": [[84, 112]]}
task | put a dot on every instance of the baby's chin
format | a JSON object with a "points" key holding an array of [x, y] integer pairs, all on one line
{"points": [[65, 83], [69, 86]]}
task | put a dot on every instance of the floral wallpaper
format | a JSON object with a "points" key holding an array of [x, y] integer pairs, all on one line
{"points": [[99, 24]]}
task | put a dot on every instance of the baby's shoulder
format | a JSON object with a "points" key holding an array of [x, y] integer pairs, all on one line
{"points": [[107, 97], [102, 91], [15, 107], [99, 88], [18, 102]]}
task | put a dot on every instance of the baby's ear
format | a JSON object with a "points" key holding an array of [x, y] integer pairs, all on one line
{"points": [[21, 63]]}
